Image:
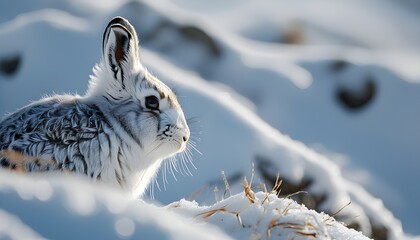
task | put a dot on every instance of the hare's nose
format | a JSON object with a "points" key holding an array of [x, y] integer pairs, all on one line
{"points": [[185, 138]]}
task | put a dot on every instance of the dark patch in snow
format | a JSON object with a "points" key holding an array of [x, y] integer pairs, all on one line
{"points": [[190, 33], [197, 34], [379, 233], [300, 190], [339, 65], [154, 32], [353, 100], [10, 65], [154, 27], [294, 34], [268, 172], [353, 225]]}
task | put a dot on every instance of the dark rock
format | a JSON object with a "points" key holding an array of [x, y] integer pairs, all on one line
{"points": [[379, 233], [10, 65], [357, 100], [339, 65], [197, 34], [268, 172], [154, 32]]}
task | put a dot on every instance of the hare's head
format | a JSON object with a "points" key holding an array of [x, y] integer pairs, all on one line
{"points": [[143, 107]]}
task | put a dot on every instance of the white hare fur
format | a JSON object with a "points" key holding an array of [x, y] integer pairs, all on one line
{"points": [[118, 133]]}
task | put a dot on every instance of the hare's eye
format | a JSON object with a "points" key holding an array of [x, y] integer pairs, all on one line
{"points": [[152, 102]]}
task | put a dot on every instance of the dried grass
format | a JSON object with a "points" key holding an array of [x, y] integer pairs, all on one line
{"points": [[306, 229]]}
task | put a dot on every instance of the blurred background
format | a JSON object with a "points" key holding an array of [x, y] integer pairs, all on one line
{"points": [[343, 77]]}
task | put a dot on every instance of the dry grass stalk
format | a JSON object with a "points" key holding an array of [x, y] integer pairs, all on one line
{"points": [[277, 185], [227, 189], [210, 213], [286, 209], [248, 191], [239, 218], [267, 194], [276, 189], [273, 224], [301, 229], [216, 194], [252, 173], [207, 214], [296, 193], [341, 209], [247, 187], [264, 187], [312, 234]]}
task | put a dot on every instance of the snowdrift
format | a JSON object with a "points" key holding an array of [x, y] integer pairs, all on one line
{"points": [[66, 207]]}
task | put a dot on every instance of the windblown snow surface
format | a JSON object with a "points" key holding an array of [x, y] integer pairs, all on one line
{"points": [[323, 93]]}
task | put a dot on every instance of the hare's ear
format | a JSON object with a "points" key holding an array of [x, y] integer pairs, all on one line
{"points": [[120, 48]]}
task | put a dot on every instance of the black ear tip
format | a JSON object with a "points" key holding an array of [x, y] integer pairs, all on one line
{"points": [[119, 20], [122, 21], [121, 27]]}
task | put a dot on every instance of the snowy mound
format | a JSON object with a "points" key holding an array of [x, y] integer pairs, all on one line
{"points": [[265, 216], [58, 207]]}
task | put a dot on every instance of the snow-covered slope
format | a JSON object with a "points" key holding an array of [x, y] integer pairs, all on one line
{"points": [[292, 88], [66, 207]]}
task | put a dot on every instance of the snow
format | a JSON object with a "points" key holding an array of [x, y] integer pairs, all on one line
{"points": [[264, 101], [73, 208], [13, 228], [268, 217], [76, 209]]}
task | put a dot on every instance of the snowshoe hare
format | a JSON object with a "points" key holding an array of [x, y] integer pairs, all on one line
{"points": [[118, 133]]}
